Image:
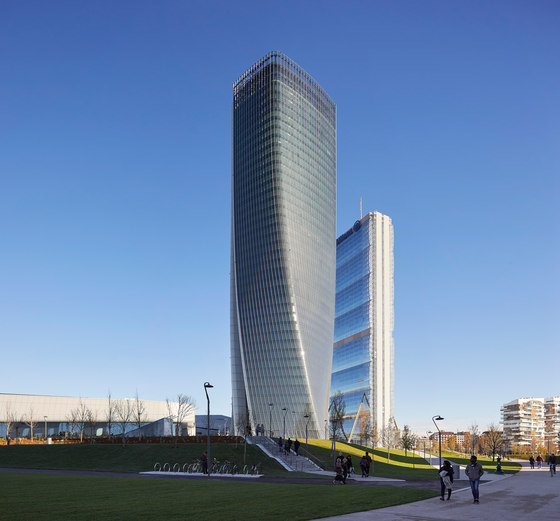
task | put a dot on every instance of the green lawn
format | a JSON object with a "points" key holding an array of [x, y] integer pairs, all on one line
{"points": [[398, 466], [27, 497], [509, 467], [130, 458]]}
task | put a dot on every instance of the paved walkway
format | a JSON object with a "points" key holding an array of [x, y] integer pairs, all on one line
{"points": [[527, 495]]}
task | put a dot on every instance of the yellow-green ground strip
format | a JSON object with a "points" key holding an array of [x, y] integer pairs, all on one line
{"points": [[27, 497], [509, 467], [397, 466]]}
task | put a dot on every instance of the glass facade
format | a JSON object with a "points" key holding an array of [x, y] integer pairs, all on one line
{"points": [[363, 356], [283, 248]]}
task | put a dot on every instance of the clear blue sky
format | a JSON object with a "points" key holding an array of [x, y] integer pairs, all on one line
{"points": [[115, 152]]}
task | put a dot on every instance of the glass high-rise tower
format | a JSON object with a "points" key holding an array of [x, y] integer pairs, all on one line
{"points": [[283, 250], [363, 355]]}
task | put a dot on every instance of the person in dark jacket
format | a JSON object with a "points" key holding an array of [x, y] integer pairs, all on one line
{"points": [[363, 465], [474, 471], [296, 447], [532, 462], [446, 479], [552, 464], [204, 461], [368, 463], [349, 464]]}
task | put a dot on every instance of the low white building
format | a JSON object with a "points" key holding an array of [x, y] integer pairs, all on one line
{"points": [[24, 413]]}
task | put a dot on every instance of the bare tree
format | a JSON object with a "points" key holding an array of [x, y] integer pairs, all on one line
{"points": [[139, 410], [184, 406], [79, 418], [475, 433], [10, 419], [389, 436], [30, 420], [494, 440], [110, 414], [242, 428], [365, 427], [123, 413], [92, 422], [408, 439], [70, 423], [337, 413]]}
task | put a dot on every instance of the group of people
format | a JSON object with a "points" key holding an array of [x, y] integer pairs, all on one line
{"points": [[474, 472], [342, 467], [286, 445], [540, 461], [365, 464]]}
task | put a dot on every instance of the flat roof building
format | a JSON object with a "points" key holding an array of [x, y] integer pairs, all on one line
{"points": [[363, 350], [60, 414]]}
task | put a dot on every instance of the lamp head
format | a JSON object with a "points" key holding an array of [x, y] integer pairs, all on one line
{"points": [[208, 385], [438, 417]]}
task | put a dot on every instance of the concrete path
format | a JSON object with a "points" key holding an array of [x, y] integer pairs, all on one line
{"points": [[525, 496]]}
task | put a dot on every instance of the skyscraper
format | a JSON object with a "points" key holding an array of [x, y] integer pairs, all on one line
{"points": [[363, 355], [283, 248]]}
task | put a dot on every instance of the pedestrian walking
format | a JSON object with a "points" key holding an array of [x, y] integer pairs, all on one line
{"points": [[280, 444], [349, 464], [474, 472], [288, 445], [532, 462], [552, 465], [368, 466], [446, 479], [539, 461], [296, 447], [344, 470], [363, 465], [204, 461], [338, 479], [8, 439]]}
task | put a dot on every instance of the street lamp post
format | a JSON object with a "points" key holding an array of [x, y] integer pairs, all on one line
{"points": [[294, 424], [428, 437], [306, 424], [326, 432], [45, 417], [207, 386], [271, 405], [434, 419], [285, 412]]}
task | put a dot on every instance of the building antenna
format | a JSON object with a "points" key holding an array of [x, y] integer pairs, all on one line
{"points": [[360, 208]]}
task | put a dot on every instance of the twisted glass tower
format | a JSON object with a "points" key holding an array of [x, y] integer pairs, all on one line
{"points": [[283, 252]]}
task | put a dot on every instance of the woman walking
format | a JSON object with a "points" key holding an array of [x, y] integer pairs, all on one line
{"points": [[446, 479]]}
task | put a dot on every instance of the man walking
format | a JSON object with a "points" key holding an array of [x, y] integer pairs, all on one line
{"points": [[474, 472], [552, 465]]}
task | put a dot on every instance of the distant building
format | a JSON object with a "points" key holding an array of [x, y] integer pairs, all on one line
{"points": [[447, 436], [282, 248], [220, 425], [67, 414], [363, 350], [532, 422]]}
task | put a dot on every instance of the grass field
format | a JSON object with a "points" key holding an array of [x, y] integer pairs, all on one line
{"points": [[26, 497], [509, 467], [130, 458]]}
